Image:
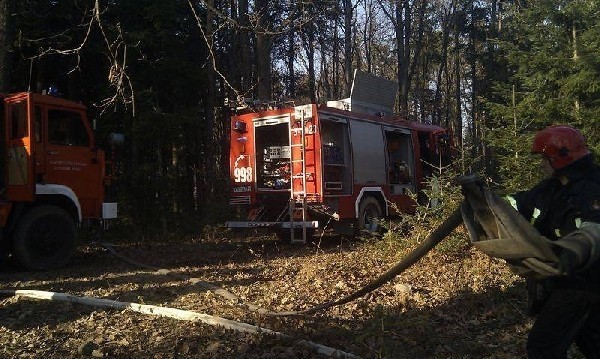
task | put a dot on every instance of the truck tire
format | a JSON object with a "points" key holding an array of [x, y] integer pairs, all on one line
{"points": [[44, 238], [369, 215]]}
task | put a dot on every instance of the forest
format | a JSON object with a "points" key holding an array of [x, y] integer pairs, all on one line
{"points": [[168, 74]]}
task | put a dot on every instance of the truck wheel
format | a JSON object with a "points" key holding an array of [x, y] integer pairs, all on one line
{"points": [[369, 215], [44, 238]]}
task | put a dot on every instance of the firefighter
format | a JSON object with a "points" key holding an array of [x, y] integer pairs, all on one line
{"points": [[565, 208]]}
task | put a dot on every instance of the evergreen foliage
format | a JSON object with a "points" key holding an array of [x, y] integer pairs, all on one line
{"points": [[552, 79]]}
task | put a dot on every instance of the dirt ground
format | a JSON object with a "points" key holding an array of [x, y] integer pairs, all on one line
{"points": [[452, 304]]}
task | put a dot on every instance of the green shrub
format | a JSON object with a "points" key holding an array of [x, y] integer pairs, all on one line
{"points": [[438, 200]]}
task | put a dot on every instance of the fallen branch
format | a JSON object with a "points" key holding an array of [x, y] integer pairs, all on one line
{"points": [[173, 313]]}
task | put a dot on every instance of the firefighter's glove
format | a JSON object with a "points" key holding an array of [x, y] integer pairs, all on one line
{"points": [[579, 249]]}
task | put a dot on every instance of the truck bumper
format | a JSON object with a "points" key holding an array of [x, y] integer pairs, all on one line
{"points": [[250, 224]]}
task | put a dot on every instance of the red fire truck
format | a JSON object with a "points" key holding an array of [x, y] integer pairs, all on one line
{"points": [[346, 164], [54, 178]]}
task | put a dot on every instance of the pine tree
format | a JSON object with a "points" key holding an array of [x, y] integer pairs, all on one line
{"points": [[550, 50]]}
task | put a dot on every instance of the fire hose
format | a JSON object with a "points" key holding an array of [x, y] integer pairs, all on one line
{"points": [[441, 232]]}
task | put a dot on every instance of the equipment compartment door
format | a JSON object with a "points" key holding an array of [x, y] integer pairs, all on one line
{"points": [[401, 160], [337, 162], [20, 153], [368, 148]]}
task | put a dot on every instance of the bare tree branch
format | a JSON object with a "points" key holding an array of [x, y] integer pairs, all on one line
{"points": [[117, 77]]}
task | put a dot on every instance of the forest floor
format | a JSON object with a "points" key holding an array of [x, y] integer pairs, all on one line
{"points": [[451, 304]]}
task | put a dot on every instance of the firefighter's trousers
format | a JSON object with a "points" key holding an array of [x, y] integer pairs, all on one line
{"points": [[568, 316]]}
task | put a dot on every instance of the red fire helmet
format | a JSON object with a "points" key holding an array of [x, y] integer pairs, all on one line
{"points": [[562, 145]]}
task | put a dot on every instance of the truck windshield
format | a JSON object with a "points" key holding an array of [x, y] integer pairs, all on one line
{"points": [[66, 128]]}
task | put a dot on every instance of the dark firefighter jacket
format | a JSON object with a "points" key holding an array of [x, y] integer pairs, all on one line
{"points": [[557, 210], [551, 218]]}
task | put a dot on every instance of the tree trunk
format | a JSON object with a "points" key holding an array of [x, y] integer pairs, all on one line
{"points": [[312, 78], [472, 58], [418, 46], [245, 67], [576, 105], [437, 98], [403, 53], [325, 82], [264, 44], [405, 84], [308, 37], [335, 72], [291, 55], [236, 47], [211, 148], [368, 35], [7, 38], [493, 28], [348, 15], [457, 125]]}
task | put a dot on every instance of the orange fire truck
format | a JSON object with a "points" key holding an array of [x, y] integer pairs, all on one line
{"points": [[294, 169], [54, 178]]}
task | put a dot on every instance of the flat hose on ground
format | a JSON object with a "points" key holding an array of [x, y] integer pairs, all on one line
{"points": [[441, 232]]}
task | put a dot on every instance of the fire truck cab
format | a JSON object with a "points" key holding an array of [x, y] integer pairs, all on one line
{"points": [[348, 164], [54, 178]]}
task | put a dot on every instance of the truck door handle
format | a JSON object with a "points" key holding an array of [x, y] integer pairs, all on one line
{"points": [[53, 153]]}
